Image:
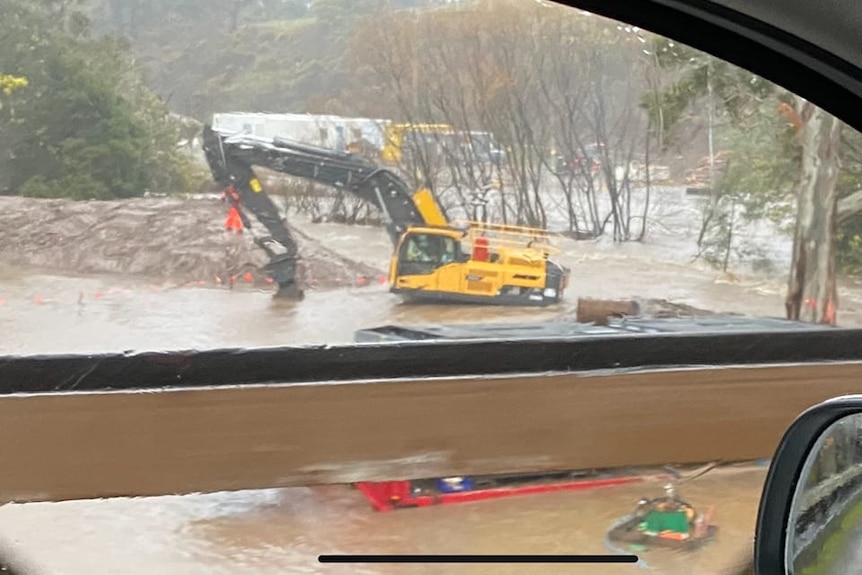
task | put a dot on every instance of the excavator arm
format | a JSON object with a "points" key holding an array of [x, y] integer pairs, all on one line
{"points": [[231, 158], [231, 169], [380, 187]]}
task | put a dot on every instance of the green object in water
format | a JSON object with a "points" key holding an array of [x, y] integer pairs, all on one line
{"points": [[658, 521], [637, 548]]}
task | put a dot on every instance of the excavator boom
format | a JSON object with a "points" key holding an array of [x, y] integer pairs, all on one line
{"points": [[380, 187]]}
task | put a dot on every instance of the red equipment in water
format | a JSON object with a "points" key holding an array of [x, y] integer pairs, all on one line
{"points": [[389, 495]]}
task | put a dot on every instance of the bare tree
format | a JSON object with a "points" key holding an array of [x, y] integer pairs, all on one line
{"points": [[535, 77]]}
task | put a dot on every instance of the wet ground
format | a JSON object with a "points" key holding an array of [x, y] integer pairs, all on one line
{"points": [[282, 531]]}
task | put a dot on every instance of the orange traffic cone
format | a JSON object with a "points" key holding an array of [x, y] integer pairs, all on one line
{"points": [[233, 223]]}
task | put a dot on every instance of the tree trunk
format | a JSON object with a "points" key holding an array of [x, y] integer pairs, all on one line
{"points": [[812, 294]]}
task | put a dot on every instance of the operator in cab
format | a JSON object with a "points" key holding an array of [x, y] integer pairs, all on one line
{"points": [[419, 249]]}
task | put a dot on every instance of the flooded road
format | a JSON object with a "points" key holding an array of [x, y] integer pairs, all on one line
{"points": [[283, 531]]}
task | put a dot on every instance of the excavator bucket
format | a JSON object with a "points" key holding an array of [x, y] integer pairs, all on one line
{"points": [[282, 270]]}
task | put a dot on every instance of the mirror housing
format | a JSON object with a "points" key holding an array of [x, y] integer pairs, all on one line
{"points": [[783, 480]]}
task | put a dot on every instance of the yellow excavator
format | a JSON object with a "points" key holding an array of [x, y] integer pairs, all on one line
{"points": [[433, 259]]}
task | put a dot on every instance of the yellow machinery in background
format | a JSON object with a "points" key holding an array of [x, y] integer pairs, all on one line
{"points": [[396, 136]]}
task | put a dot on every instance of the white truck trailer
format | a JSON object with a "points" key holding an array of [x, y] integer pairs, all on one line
{"points": [[333, 132]]}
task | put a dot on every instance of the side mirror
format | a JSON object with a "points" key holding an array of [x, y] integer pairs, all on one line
{"points": [[810, 516]]}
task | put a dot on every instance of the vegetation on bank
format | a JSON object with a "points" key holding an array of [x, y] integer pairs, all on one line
{"points": [[835, 543], [77, 118]]}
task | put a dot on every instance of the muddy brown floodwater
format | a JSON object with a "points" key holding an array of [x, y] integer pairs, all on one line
{"points": [[283, 531]]}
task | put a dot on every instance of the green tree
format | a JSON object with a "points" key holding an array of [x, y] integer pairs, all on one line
{"points": [[86, 127], [733, 91]]}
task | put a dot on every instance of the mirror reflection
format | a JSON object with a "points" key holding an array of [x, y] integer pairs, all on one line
{"points": [[825, 530]]}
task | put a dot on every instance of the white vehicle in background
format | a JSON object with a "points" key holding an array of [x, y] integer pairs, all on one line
{"points": [[332, 132]]}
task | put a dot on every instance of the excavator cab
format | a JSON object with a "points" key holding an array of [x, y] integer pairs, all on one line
{"points": [[479, 263], [421, 253]]}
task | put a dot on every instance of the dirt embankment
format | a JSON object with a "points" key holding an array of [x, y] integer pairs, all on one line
{"points": [[162, 238]]}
